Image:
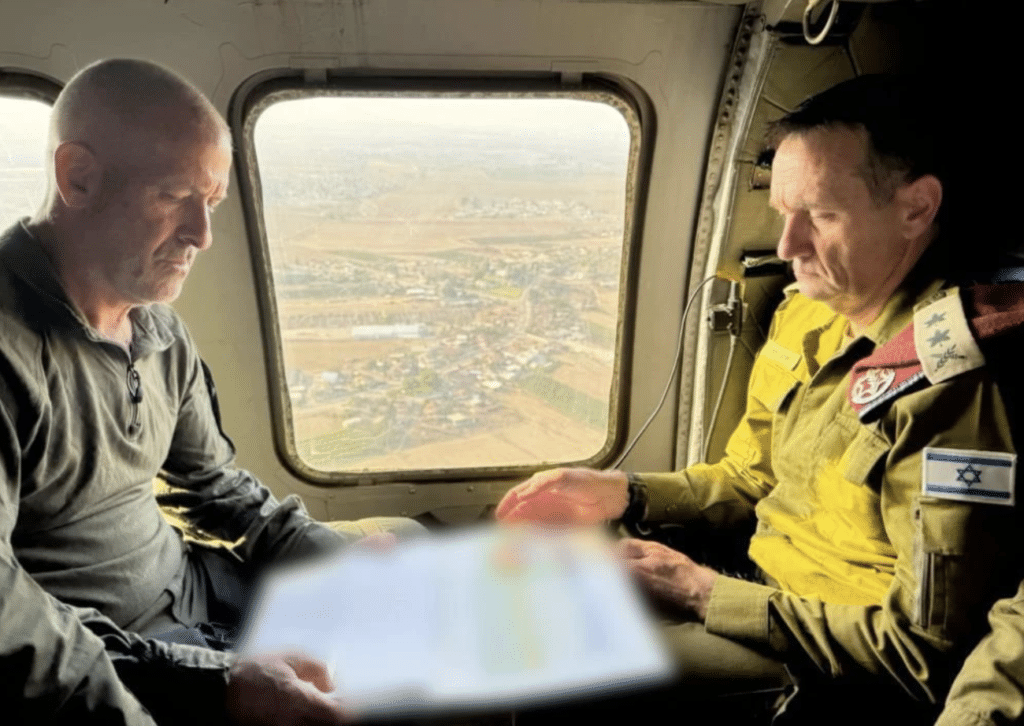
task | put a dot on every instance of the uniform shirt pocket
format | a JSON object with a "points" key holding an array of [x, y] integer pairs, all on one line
{"points": [[773, 387], [957, 556], [862, 457]]}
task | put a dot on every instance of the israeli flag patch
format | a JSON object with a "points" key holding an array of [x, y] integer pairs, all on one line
{"points": [[969, 476]]}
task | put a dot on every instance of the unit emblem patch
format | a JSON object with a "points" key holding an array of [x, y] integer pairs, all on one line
{"points": [[969, 476], [888, 373], [871, 384]]}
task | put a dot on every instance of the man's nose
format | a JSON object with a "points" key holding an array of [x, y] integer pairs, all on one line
{"points": [[197, 230], [795, 240]]}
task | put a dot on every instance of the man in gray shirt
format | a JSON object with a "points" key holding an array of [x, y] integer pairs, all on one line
{"points": [[107, 615]]}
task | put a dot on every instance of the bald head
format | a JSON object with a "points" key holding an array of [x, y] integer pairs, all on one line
{"points": [[124, 111], [113, 97], [139, 160]]}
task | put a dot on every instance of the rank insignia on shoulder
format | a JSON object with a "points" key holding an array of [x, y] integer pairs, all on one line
{"points": [[943, 339], [969, 476]]}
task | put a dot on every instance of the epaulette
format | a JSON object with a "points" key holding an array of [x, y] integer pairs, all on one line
{"points": [[940, 343]]}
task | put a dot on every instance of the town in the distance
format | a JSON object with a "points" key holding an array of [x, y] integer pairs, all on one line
{"points": [[446, 297]]}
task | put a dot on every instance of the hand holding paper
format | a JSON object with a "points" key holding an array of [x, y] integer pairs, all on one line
{"points": [[487, 618]]}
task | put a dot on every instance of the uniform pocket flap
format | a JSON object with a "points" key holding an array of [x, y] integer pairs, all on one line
{"points": [[863, 454], [944, 526], [772, 386]]}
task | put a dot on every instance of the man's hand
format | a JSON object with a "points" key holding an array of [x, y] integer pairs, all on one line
{"points": [[282, 689], [669, 576], [381, 542], [566, 496]]}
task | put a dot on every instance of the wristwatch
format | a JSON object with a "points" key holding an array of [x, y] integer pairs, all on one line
{"points": [[636, 506]]}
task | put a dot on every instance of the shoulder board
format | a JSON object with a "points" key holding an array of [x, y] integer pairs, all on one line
{"points": [[943, 339], [941, 342]]}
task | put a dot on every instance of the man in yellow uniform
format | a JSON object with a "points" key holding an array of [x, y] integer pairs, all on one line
{"points": [[875, 452]]}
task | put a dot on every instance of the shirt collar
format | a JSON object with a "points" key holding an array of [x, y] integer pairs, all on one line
{"points": [[828, 339], [898, 311], [23, 254]]}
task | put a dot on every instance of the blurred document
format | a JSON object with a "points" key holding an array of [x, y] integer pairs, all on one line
{"points": [[487, 618]]}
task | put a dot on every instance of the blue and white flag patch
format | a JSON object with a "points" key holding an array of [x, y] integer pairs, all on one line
{"points": [[969, 476]]}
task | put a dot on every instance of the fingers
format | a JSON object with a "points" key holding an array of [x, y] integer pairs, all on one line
{"points": [[516, 504], [653, 554], [283, 690], [668, 575], [648, 562], [311, 671], [632, 549], [546, 507], [380, 542], [566, 496], [642, 553], [320, 710], [522, 492], [507, 504]]}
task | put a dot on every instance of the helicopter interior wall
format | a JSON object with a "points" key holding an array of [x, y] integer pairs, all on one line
{"points": [[967, 68], [673, 54]]}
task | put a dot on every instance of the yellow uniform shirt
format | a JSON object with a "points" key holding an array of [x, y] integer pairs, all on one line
{"points": [[991, 684], [872, 575]]}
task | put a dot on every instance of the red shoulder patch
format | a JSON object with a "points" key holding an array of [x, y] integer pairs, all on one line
{"points": [[885, 374], [991, 311]]}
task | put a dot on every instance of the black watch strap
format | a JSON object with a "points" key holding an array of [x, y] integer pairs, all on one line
{"points": [[636, 507]]}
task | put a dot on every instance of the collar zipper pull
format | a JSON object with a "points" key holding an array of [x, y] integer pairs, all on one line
{"points": [[135, 396], [134, 384]]}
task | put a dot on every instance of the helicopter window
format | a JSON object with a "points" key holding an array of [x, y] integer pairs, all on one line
{"points": [[446, 274], [23, 130]]}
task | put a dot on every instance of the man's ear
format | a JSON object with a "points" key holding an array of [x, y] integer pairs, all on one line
{"points": [[78, 173], [919, 204]]}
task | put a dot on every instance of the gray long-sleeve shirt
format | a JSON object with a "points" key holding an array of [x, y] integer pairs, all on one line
{"points": [[84, 549]]}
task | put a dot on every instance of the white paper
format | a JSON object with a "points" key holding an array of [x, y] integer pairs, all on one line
{"points": [[486, 618]]}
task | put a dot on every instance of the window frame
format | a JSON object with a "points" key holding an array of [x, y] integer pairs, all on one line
{"points": [[262, 90], [19, 84]]}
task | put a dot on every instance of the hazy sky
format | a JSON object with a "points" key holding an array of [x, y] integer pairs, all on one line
{"points": [[23, 124], [573, 120]]}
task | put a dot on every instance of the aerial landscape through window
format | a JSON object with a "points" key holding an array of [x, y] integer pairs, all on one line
{"points": [[447, 275]]}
